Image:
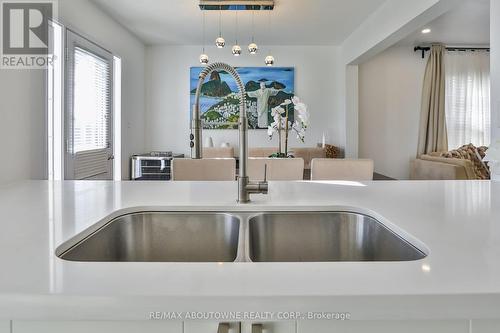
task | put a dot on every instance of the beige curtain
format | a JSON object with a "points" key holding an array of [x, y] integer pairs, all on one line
{"points": [[433, 136]]}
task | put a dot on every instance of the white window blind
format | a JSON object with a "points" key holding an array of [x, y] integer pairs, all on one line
{"points": [[468, 117], [91, 101]]}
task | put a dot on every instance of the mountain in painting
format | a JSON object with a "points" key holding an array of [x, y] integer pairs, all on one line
{"points": [[215, 87]]}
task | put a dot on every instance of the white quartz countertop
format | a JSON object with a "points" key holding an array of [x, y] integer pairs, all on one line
{"points": [[458, 222]]}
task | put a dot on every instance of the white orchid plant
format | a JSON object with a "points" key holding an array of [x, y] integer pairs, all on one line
{"points": [[283, 124]]}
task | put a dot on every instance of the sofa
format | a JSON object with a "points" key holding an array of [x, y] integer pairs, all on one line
{"points": [[464, 163], [432, 167], [216, 152], [305, 153]]}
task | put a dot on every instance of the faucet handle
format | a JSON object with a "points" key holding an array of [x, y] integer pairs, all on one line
{"points": [[265, 173], [191, 141]]}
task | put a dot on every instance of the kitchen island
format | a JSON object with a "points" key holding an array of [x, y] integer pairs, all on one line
{"points": [[456, 222]]}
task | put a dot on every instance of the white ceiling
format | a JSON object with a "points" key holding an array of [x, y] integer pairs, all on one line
{"points": [[468, 24], [293, 22]]}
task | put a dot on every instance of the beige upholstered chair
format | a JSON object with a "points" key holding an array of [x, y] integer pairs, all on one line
{"points": [[278, 169], [206, 169], [341, 169], [215, 152]]}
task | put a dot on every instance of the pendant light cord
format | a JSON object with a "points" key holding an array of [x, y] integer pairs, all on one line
{"points": [[236, 14], [204, 31], [253, 25], [220, 21], [269, 27]]}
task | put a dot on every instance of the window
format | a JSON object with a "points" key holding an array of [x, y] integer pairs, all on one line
{"points": [[91, 101], [468, 117]]}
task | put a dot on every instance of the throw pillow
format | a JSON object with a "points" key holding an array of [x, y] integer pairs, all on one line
{"points": [[473, 154]]}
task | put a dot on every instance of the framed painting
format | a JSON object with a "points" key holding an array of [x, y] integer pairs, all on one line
{"points": [[266, 88]]}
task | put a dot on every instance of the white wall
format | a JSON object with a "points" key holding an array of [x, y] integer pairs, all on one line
{"points": [[168, 109], [495, 67], [86, 18], [390, 89], [22, 123]]}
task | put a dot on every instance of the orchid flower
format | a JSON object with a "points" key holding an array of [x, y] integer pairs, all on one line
{"points": [[277, 110], [270, 131], [280, 122]]}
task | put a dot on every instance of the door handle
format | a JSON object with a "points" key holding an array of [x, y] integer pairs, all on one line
{"points": [[111, 157]]}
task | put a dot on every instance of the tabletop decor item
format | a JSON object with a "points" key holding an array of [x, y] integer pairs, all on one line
{"points": [[283, 123], [209, 142], [493, 159]]}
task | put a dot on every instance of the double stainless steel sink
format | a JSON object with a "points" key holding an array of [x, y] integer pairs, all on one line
{"points": [[241, 237]]}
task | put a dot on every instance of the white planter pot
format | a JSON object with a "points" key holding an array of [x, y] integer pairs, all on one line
{"points": [[209, 142]]}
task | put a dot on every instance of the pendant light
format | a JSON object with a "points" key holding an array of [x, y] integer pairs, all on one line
{"points": [[252, 47], [236, 50], [220, 42], [269, 59], [203, 56]]}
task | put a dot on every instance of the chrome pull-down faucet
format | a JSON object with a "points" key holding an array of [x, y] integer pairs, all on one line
{"points": [[245, 186]]}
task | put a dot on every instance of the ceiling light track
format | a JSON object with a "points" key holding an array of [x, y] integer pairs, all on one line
{"points": [[236, 4]]}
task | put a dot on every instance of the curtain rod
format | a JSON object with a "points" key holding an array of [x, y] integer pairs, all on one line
{"points": [[424, 49]]}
